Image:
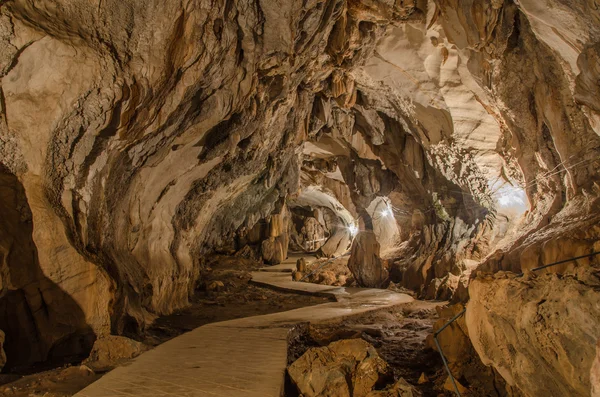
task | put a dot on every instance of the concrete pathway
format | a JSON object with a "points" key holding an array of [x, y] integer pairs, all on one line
{"points": [[245, 357]]}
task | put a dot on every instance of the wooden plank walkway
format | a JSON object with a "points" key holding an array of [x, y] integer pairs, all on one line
{"points": [[245, 357]]}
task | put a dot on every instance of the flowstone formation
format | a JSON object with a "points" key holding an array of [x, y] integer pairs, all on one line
{"points": [[137, 138]]}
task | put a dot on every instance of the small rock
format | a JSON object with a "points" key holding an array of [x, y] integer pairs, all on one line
{"points": [[110, 350], [301, 265], [297, 275], [215, 286], [450, 387]]}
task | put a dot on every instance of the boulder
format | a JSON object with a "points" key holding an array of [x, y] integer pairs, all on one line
{"points": [[449, 386], [365, 263], [345, 368], [112, 350], [274, 250], [454, 340]]}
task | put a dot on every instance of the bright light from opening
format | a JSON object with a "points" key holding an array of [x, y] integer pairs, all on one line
{"points": [[386, 213], [353, 230], [512, 200]]}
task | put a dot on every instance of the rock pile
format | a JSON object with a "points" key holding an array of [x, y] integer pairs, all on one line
{"points": [[346, 368]]}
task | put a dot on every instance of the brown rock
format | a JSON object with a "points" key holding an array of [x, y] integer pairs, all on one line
{"points": [[365, 264], [454, 340], [215, 286], [274, 250], [518, 325], [112, 350], [449, 386], [297, 276], [345, 368], [327, 277], [301, 265]]}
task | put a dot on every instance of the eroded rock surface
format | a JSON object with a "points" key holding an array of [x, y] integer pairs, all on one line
{"points": [[112, 350], [136, 138], [365, 262], [539, 332], [345, 368]]}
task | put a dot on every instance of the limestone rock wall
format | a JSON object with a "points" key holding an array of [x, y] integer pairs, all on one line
{"points": [[539, 332], [145, 135]]}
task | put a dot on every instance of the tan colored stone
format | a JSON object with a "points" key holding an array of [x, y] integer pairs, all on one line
{"points": [[297, 276], [449, 386], [301, 265], [345, 368], [517, 325], [215, 286], [365, 264], [400, 389], [112, 350]]}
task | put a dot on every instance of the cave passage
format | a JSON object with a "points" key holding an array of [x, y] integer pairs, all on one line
{"points": [[170, 168]]}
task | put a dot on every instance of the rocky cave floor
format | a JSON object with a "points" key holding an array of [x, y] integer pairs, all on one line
{"points": [[399, 334]]}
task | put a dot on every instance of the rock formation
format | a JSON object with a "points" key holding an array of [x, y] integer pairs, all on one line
{"points": [[539, 332], [345, 368], [365, 262], [138, 137]]}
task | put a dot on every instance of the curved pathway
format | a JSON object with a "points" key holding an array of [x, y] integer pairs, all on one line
{"points": [[245, 357]]}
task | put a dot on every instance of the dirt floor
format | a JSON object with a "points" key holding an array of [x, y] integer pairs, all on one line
{"points": [[223, 295], [399, 336]]}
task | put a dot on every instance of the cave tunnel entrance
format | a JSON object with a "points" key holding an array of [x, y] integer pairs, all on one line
{"points": [[320, 223]]}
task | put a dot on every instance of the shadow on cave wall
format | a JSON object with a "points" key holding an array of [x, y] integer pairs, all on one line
{"points": [[43, 324]]}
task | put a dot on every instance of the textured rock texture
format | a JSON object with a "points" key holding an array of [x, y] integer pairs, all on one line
{"points": [[345, 368], [365, 262], [136, 137], [109, 351], [539, 332]]}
